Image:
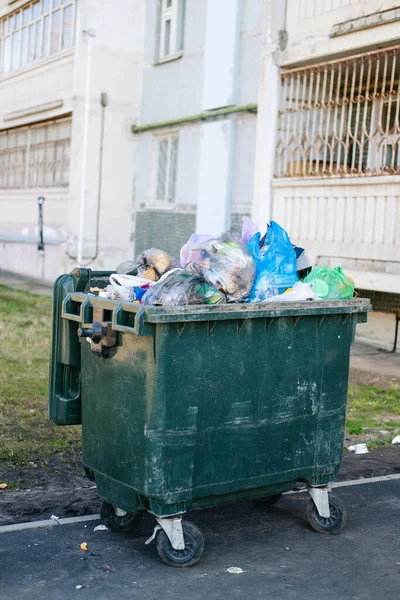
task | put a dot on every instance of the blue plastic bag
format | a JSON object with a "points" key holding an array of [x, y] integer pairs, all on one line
{"points": [[276, 263]]}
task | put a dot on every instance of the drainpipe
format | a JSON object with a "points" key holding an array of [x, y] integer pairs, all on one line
{"points": [[89, 35]]}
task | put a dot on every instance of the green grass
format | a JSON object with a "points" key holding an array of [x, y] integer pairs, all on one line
{"points": [[26, 434], [373, 407]]}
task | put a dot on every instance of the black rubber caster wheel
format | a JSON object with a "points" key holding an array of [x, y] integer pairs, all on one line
{"points": [[332, 524], [116, 523], [267, 501], [190, 555]]}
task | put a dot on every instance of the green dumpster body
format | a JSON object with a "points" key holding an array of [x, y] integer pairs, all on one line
{"points": [[197, 406]]}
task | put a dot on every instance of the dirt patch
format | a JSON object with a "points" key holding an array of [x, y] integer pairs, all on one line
{"points": [[59, 488], [62, 490], [377, 462], [358, 377]]}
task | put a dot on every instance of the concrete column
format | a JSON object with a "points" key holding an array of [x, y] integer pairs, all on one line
{"points": [[218, 137], [273, 41]]}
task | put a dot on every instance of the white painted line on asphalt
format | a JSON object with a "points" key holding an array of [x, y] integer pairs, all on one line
{"points": [[83, 519]]}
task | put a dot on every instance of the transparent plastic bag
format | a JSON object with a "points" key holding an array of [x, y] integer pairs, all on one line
{"points": [[226, 264], [276, 263], [179, 288], [248, 229], [188, 251], [330, 284]]}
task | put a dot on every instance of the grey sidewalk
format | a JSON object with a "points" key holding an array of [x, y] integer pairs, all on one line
{"points": [[367, 358], [280, 555], [25, 284]]}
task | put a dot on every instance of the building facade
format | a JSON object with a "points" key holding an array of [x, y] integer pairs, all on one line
{"points": [[70, 81], [140, 122], [336, 155]]}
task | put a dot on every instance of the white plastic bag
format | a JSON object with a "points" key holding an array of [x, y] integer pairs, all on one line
{"points": [[121, 286], [299, 292]]}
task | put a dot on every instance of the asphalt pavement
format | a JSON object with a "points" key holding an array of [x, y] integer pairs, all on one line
{"points": [[280, 556]]}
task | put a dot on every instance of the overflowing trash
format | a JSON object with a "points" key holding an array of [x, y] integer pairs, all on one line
{"points": [[179, 288], [247, 268], [226, 264]]}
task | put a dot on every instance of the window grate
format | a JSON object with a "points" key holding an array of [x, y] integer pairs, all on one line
{"points": [[36, 156], [341, 118], [167, 168]]}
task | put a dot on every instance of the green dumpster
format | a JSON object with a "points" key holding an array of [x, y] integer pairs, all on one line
{"points": [[188, 407]]}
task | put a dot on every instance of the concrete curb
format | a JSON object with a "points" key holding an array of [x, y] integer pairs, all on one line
{"points": [[83, 519], [47, 523]]}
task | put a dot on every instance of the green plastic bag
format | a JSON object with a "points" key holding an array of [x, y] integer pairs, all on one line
{"points": [[330, 284]]}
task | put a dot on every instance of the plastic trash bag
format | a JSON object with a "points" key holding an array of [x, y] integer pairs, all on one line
{"points": [[298, 293], [128, 267], [154, 263], [276, 263], [122, 287], [226, 264], [179, 288], [188, 251], [248, 229], [330, 284]]}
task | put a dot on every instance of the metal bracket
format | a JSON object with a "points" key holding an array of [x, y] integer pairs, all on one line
{"points": [[173, 529], [119, 512], [320, 496]]}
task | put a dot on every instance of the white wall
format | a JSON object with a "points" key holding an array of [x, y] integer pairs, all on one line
{"points": [[313, 27], [32, 90], [117, 56], [354, 219]]}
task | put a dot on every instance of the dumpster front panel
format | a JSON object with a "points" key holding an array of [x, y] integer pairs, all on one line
{"points": [[252, 403]]}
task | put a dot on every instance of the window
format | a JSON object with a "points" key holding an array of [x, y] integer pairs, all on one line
{"points": [[171, 28], [167, 159], [341, 117], [38, 30], [36, 156]]}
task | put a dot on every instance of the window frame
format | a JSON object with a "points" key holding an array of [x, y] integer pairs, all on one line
{"points": [[174, 13], [42, 40]]}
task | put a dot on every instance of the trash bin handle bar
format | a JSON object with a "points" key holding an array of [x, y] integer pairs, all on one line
{"points": [[124, 310], [79, 307]]}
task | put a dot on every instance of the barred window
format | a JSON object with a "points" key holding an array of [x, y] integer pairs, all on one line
{"points": [[341, 118], [36, 156], [167, 168], [36, 31]]}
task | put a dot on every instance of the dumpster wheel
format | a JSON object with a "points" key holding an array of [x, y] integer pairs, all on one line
{"points": [[192, 552], [115, 522], [332, 524]]}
